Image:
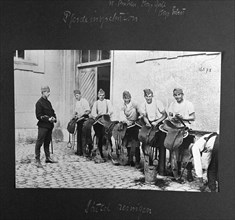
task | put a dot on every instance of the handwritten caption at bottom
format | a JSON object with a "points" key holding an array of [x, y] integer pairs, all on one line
{"points": [[98, 207]]}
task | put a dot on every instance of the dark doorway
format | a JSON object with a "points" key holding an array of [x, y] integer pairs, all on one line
{"points": [[103, 79]]}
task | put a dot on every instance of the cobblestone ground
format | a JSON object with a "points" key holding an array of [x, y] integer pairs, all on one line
{"points": [[74, 171]]}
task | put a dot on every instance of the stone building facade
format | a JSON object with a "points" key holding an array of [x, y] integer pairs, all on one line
{"points": [[198, 73]]}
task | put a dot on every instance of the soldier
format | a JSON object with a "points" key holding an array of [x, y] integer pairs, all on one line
{"points": [[183, 109], [204, 146], [154, 113], [100, 107], [82, 111], [46, 118], [129, 114]]}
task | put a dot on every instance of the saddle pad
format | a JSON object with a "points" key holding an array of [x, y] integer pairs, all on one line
{"points": [[170, 125], [174, 139], [161, 128]]}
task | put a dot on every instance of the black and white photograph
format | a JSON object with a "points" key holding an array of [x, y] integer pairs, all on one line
{"points": [[117, 109], [115, 119]]}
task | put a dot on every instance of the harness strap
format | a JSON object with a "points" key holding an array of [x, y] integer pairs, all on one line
{"points": [[207, 139], [211, 135]]}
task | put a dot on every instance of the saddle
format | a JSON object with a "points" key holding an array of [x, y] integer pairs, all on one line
{"points": [[175, 135], [147, 134], [108, 125]]}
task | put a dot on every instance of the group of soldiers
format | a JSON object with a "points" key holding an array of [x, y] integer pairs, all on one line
{"points": [[151, 114], [136, 118]]}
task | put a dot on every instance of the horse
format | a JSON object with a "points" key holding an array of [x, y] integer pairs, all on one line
{"points": [[212, 171], [173, 141], [125, 138], [204, 153], [152, 141], [103, 127]]}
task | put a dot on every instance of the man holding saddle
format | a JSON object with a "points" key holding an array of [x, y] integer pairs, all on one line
{"points": [[153, 113], [181, 113], [101, 108], [82, 111], [128, 115]]}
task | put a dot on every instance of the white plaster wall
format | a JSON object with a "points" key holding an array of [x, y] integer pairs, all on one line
{"points": [[60, 78], [199, 76]]}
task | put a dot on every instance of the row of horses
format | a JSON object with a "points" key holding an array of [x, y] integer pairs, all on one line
{"points": [[116, 139]]}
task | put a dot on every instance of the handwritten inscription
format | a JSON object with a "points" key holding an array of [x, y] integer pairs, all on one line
{"points": [[124, 11], [134, 208], [99, 207], [126, 3], [155, 5], [95, 207], [118, 17], [204, 69], [177, 11]]}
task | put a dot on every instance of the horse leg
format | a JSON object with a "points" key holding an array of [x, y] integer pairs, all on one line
{"points": [[137, 154], [174, 165], [162, 153], [123, 152], [151, 152], [146, 163]]}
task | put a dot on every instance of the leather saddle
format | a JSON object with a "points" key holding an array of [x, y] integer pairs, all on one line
{"points": [[147, 134], [175, 135], [108, 125]]}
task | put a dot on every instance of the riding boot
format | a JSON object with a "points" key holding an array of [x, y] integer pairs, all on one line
{"points": [[49, 160], [200, 184], [90, 146], [137, 157], [189, 172], [179, 167], [38, 163], [130, 161]]}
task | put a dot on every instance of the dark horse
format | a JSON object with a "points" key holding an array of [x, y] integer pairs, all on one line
{"points": [[152, 140], [176, 145], [127, 143], [103, 127], [212, 171]]}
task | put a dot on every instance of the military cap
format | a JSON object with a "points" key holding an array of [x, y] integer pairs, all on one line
{"points": [[148, 92]]}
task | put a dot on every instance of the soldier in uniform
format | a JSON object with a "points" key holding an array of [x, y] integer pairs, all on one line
{"points": [[129, 114], [46, 118], [82, 111]]}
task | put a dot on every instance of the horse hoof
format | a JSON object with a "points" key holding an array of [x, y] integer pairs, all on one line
{"points": [[178, 180], [116, 163], [155, 163]]}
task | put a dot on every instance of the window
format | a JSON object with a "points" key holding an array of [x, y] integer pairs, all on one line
{"points": [[94, 55], [85, 56], [19, 54], [105, 54], [29, 60]]}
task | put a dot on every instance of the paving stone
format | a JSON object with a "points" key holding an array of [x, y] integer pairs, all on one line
{"points": [[73, 171]]}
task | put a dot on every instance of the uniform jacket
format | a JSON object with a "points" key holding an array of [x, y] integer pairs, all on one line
{"points": [[44, 111]]}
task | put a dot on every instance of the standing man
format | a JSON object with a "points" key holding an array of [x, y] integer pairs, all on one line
{"points": [[46, 119], [206, 145], [184, 110], [154, 113], [82, 111], [100, 107], [129, 114]]}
